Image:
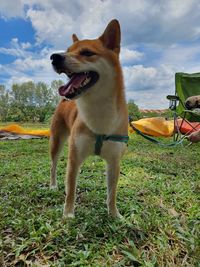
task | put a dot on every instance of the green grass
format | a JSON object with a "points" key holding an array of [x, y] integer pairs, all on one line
{"points": [[157, 195]]}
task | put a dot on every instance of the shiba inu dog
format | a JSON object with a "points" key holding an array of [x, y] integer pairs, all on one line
{"points": [[93, 114]]}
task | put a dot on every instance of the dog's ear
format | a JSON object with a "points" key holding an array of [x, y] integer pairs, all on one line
{"points": [[111, 37], [74, 38]]}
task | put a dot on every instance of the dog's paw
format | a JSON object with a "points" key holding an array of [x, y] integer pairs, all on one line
{"points": [[68, 216], [115, 214], [68, 212], [53, 187], [119, 216]]}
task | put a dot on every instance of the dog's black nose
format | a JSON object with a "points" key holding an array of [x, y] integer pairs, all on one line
{"points": [[57, 58], [188, 104]]}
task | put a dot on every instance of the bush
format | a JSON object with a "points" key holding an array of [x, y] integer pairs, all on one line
{"points": [[133, 111]]}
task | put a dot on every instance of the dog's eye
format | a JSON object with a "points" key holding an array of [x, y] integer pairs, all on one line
{"points": [[87, 53]]}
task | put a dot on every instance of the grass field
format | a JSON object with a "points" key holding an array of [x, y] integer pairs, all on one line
{"points": [[157, 195]]}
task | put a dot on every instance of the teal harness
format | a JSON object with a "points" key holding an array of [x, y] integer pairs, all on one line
{"points": [[102, 137]]}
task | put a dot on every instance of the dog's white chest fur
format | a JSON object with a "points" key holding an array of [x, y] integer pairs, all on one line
{"points": [[100, 117], [97, 108]]}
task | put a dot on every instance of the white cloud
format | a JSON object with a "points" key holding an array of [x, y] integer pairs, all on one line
{"points": [[181, 55], [149, 86], [17, 79], [143, 21], [148, 21], [150, 99], [130, 56], [31, 64], [139, 77], [26, 45], [10, 51], [51, 26], [10, 8], [27, 65], [16, 49]]}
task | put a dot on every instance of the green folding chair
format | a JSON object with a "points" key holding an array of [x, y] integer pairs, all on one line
{"points": [[186, 85]]}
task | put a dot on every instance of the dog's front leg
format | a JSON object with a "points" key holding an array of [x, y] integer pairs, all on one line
{"points": [[73, 166], [113, 170]]}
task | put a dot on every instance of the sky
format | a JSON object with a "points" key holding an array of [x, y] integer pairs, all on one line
{"points": [[159, 38]]}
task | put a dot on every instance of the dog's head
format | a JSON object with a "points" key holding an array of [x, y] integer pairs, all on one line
{"points": [[193, 102], [88, 62]]}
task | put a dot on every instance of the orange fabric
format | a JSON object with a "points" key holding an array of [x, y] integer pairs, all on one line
{"points": [[15, 128], [154, 126], [188, 127]]}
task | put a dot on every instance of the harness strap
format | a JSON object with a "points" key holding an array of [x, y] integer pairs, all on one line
{"points": [[102, 137]]}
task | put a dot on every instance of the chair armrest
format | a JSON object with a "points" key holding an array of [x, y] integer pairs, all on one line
{"points": [[172, 97]]}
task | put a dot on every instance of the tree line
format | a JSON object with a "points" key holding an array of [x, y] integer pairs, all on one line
{"points": [[36, 102], [29, 101]]}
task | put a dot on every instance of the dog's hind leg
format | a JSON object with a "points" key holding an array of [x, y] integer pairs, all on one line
{"points": [[57, 140]]}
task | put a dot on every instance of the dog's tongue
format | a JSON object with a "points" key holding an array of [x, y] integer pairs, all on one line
{"points": [[72, 85]]}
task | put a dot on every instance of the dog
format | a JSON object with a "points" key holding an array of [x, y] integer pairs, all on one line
{"points": [[194, 137], [193, 102], [93, 115]]}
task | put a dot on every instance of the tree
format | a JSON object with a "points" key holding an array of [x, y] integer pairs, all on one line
{"points": [[23, 101], [133, 111], [54, 91], [43, 103], [4, 103], [29, 101]]}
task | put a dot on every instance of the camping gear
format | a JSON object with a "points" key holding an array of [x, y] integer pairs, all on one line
{"points": [[186, 85], [156, 126]]}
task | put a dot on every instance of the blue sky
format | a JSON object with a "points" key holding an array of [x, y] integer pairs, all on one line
{"points": [[159, 38]]}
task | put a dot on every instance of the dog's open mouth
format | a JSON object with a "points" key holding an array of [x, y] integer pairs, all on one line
{"points": [[78, 84]]}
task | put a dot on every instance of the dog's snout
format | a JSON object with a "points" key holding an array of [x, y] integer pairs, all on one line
{"points": [[188, 104], [57, 59]]}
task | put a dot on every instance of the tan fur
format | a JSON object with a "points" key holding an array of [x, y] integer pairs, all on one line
{"points": [[194, 137], [193, 102], [101, 110]]}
